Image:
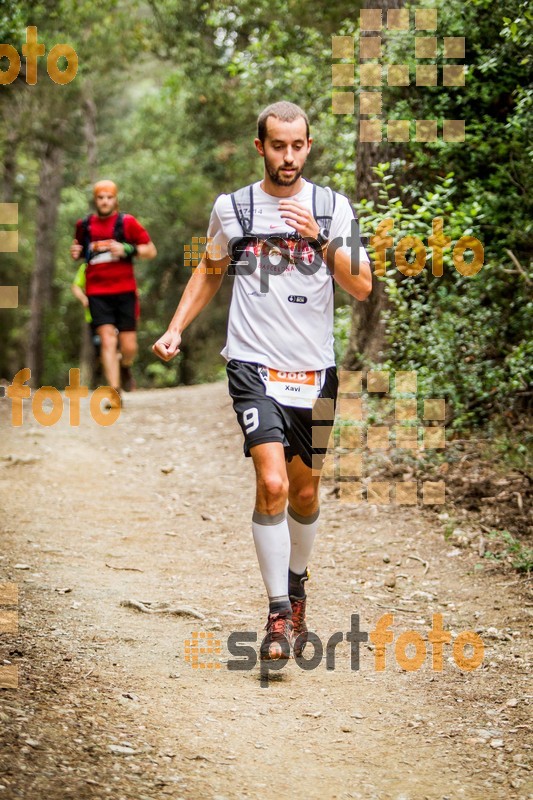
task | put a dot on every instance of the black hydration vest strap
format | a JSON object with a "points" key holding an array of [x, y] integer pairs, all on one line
{"points": [[323, 205], [86, 238], [118, 234], [243, 205]]}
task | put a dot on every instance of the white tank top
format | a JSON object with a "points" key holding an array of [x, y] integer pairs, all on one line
{"points": [[284, 320]]}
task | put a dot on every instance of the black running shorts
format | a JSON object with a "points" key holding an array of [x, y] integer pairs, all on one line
{"points": [[263, 419], [114, 309]]}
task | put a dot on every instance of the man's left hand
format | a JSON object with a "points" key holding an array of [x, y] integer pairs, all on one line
{"points": [[116, 248], [300, 218]]}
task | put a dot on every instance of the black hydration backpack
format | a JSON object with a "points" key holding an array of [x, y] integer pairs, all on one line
{"points": [[243, 204], [118, 235]]}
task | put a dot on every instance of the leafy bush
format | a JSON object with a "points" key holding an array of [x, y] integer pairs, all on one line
{"points": [[466, 337], [508, 548], [341, 331]]}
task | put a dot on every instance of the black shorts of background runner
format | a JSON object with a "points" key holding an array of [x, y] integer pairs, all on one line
{"points": [[273, 422], [114, 309]]}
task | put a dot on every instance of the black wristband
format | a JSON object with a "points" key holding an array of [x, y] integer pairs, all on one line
{"points": [[322, 239]]}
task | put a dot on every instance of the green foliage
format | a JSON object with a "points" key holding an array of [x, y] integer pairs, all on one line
{"points": [[508, 548], [341, 330], [464, 346], [12, 14], [494, 164], [510, 448], [178, 85]]}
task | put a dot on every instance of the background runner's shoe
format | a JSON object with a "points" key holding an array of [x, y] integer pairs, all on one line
{"points": [[279, 639], [114, 401], [299, 625], [127, 381]]}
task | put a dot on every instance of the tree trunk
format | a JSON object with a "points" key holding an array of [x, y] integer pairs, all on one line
{"points": [[9, 171], [87, 356], [367, 332], [48, 196], [87, 359], [89, 132], [187, 374]]}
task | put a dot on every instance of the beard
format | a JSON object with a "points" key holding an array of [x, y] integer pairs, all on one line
{"points": [[276, 176], [107, 213]]}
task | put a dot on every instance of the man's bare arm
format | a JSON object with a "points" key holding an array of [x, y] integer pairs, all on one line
{"points": [[360, 285], [143, 250], [147, 250], [198, 293], [301, 219], [80, 295]]}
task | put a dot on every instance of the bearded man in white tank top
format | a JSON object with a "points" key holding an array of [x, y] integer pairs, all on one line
{"points": [[283, 241]]}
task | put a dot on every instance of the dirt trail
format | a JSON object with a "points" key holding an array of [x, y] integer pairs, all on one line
{"points": [[107, 705]]}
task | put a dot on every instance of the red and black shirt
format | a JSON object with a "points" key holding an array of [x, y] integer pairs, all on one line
{"points": [[106, 274]]}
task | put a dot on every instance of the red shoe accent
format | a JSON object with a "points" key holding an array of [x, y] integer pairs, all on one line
{"points": [[279, 639], [298, 621]]}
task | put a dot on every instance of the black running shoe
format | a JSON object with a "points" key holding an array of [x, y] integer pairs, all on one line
{"points": [[127, 381]]}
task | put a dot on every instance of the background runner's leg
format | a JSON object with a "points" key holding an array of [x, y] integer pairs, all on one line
{"points": [[128, 347], [109, 354]]}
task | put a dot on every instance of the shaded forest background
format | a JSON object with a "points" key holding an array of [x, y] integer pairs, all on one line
{"points": [[165, 103]]}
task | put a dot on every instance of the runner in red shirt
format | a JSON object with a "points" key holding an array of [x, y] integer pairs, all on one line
{"points": [[108, 241]]}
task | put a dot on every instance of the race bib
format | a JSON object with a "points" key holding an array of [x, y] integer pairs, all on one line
{"points": [[100, 253], [296, 389], [102, 258]]}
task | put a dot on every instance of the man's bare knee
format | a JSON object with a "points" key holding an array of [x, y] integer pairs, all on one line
{"points": [[129, 353], [108, 339], [304, 500], [272, 490]]}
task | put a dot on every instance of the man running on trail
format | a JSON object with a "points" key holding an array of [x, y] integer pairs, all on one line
{"points": [[108, 241], [279, 347]]}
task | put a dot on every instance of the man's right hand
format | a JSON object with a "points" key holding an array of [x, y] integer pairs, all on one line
{"points": [[75, 250], [168, 345]]}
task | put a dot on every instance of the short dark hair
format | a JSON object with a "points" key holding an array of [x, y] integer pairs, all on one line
{"points": [[285, 111]]}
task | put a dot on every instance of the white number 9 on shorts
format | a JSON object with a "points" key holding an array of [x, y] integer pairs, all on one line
{"points": [[251, 419]]}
